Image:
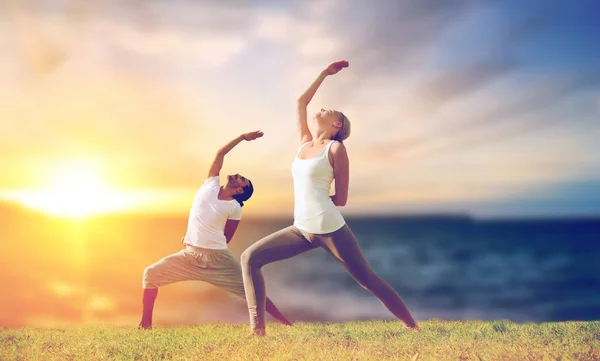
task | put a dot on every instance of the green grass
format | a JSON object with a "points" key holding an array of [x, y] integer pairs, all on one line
{"points": [[371, 340]]}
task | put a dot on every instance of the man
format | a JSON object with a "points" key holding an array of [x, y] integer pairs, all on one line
{"points": [[213, 220]]}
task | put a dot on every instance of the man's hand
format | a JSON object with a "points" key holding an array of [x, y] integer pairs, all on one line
{"points": [[253, 135], [335, 67]]}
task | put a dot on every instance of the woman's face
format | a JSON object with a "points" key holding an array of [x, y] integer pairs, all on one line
{"points": [[327, 118]]}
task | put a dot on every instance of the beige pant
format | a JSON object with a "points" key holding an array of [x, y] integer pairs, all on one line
{"points": [[215, 266]]}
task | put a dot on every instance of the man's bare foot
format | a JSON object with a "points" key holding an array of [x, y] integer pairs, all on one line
{"points": [[258, 332], [143, 326]]}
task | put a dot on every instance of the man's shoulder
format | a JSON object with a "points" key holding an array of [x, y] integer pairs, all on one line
{"points": [[211, 181]]}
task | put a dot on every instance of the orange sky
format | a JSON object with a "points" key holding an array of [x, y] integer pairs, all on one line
{"points": [[119, 106]]}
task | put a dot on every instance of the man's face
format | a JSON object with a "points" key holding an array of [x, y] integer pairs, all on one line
{"points": [[237, 181]]}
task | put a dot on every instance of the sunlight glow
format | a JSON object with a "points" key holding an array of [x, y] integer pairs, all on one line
{"points": [[75, 190], [63, 289], [100, 303]]}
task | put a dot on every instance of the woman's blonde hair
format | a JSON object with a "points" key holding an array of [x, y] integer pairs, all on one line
{"points": [[344, 132]]}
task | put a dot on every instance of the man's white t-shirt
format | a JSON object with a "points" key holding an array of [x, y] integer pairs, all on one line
{"points": [[208, 216]]}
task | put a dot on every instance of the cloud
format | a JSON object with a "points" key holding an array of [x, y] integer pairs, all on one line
{"points": [[202, 48], [203, 33], [394, 36], [146, 86], [504, 115], [280, 26], [138, 133], [434, 90]]}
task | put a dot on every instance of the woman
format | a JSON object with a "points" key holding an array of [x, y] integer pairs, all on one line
{"points": [[317, 221]]}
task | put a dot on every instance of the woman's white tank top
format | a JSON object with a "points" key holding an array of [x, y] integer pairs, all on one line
{"points": [[314, 211]]}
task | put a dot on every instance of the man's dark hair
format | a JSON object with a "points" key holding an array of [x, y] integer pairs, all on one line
{"points": [[248, 190]]}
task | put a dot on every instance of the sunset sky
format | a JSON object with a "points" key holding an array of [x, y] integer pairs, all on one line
{"points": [[486, 107], [490, 108]]}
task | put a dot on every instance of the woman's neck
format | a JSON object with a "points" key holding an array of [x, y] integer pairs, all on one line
{"points": [[322, 138]]}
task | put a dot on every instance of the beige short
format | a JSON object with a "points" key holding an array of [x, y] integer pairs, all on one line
{"points": [[215, 266]]}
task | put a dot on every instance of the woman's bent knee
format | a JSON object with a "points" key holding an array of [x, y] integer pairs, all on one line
{"points": [[247, 258]]}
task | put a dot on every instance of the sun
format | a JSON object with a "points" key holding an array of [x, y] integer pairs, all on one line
{"points": [[75, 190]]}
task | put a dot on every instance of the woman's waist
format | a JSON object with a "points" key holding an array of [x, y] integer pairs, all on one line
{"points": [[311, 186], [314, 202], [322, 222], [315, 194], [314, 209]]}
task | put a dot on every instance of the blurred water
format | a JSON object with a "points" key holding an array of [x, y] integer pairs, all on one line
{"points": [[59, 271], [456, 268]]}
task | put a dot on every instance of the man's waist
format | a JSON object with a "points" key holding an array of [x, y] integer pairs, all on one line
{"points": [[197, 249]]}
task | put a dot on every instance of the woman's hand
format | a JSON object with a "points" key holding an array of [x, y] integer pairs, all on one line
{"points": [[252, 135], [335, 67]]}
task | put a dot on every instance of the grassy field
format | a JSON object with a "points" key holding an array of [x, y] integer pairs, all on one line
{"points": [[367, 340]]}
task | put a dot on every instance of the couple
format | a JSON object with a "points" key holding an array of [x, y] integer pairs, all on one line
{"points": [[217, 210]]}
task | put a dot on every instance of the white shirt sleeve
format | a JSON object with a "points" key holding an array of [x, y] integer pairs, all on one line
{"points": [[236, 214]]}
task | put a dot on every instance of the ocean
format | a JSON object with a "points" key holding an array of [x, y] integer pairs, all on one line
{"points": [[444, 267], [455, 268]]}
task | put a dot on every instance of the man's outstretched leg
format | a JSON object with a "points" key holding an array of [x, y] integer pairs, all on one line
{"points": [[147, 307]]}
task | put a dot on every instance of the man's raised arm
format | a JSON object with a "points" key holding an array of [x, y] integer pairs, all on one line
{"points": [[217, 164]]}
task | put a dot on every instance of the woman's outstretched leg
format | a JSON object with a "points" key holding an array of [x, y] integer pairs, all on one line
{"points": [[282, 244], [274, 311], [343, 246]]}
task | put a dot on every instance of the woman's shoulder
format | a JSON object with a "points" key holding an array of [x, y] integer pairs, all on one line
{"points": [[337, 146]]}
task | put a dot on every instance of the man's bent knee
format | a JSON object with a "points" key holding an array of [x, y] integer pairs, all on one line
{"points": [[147, 281]]}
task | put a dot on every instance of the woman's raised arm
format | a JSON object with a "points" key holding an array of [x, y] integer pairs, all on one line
{"points": [[307, 96]]}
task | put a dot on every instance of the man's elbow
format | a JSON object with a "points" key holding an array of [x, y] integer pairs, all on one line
{"points": [[301, 102], [340, 202]]}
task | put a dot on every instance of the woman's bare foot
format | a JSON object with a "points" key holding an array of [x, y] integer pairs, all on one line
{"points": [[258, 332], [413, 328]]}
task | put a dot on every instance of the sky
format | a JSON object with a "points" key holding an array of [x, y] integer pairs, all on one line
{"points": [[485, 107]]}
